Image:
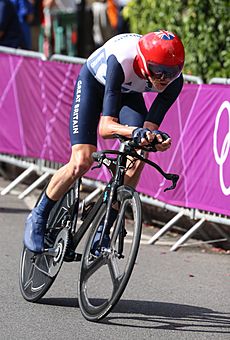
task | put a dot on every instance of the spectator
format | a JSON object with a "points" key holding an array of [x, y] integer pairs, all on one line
{"points": [[36, 24], [25, 12], [112, 13], [123, 24], [104, 21], [48, 3], [10, 31]]}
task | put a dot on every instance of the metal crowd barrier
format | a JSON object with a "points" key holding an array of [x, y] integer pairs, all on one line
{"points": [[67, 59], [44, 169], [192, 79], [224, 81], [22, 53]]}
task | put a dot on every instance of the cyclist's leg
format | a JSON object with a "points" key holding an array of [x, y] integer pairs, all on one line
{"points": [[84, 118], [80, 162], [133, 113]]}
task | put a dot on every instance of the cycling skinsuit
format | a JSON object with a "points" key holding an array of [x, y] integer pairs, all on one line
{"points": [[108, 84]]}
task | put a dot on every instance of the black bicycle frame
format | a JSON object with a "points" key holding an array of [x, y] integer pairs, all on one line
{"points": [[108, 196]]}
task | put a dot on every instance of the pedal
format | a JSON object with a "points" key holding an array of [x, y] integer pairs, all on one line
{"points": [[51, 251]]}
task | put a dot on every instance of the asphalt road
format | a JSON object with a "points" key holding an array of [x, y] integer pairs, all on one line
{"points": [[179, 295]]}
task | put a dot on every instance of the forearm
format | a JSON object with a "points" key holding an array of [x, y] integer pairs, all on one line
{"points": [[151, 126], [109, 126]]}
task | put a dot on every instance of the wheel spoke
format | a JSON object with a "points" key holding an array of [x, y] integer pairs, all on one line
{"points": [[30, 281], [115, 274], [30, 277], [92, 266], [42, 270]]}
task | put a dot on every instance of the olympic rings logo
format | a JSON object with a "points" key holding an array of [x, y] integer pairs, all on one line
{"points": [[221, 158]]}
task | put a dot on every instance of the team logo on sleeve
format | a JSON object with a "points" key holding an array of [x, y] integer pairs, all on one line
{"points": [[165, 35]]}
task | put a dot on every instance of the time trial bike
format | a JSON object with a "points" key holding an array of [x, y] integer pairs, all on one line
{"points": [[113, 263]]}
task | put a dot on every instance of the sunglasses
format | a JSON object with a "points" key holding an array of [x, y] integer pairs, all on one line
{"points": [[164, 72]]}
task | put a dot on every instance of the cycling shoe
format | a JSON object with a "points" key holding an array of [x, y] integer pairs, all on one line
{"points": [[105, 242], [34, 232]]}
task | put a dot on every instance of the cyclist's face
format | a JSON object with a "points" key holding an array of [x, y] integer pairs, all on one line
{"points": [[162, 75], [159, 84]]}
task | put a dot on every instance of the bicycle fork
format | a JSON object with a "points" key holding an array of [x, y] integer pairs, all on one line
{"points": [[110, 198]]}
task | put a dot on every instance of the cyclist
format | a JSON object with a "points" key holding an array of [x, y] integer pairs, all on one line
{"points": [[112, 81]]}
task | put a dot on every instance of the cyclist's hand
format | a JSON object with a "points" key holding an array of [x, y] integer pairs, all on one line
{"points": [[161, 141], [142, 136]]}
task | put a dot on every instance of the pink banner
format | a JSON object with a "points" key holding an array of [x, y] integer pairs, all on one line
{"points": [[35, 100]]}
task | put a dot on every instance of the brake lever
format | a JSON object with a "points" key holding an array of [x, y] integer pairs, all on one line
{"points": [[174, 178], [99, 162], [97, 166]]}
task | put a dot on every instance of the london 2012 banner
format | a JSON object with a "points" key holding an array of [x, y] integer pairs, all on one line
{"points": [[35, 101]]}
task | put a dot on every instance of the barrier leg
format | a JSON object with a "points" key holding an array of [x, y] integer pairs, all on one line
{"points": [[19, 179], [91, 196], [167, 227], [187, 235], [34, 185], [221, 232]]}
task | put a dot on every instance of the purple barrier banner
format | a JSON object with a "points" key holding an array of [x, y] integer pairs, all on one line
{"points": [[35, 101]]}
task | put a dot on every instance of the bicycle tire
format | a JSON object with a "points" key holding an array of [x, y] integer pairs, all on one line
{"points": [[92, 307], [37, 272]]}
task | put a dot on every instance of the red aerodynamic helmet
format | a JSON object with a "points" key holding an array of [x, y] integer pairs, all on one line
{"points": [[161, 55]]}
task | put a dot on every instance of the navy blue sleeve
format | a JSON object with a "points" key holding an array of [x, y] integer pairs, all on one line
{"points": [[4, 14], [164, 101], [114, 79]]}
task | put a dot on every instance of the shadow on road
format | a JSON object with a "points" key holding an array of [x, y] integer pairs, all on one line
{"points": [[14, 210], [162, 315], [61, 302], [158, 315]]}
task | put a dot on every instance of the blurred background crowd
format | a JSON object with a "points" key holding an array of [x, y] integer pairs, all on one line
{"points": [[77, 27], [72, 27]]}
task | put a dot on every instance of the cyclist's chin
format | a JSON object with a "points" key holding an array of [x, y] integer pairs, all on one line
{"points": [[160, 85]]}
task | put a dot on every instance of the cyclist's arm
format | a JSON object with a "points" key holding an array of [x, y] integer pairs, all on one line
{"points": [[112, 101], [109, 126], [163, 102], [160, 107], [4, 17]]}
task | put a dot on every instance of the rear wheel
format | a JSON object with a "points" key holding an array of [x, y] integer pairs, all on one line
{"points": [[104, 278], [38, 271]]}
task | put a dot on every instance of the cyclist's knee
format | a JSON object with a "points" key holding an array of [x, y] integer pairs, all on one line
{"points": [[81, 160], [79, 168]]}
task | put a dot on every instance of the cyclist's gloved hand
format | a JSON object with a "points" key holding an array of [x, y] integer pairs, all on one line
{"points": [[163, 137], [138, 134]]}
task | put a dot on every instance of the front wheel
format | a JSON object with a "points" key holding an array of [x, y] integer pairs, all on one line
{"points": [[103, 278]]}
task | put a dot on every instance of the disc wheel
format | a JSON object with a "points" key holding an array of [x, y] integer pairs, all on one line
{"points": [[38, 271], [104, 278]]}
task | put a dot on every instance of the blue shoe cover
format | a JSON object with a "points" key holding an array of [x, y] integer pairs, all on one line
{"points": [[105, 242], [34, 232]]}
